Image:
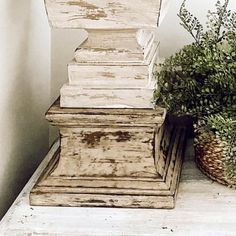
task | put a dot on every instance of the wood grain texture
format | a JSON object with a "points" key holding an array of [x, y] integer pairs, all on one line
{"points": [[118, 47], [74, 96], [110, 76], [96, 200], [101, 185], [115, 59], [96, 14], [53, 189], [98, 149], [106, 152], [112, 68], [88, 117]]}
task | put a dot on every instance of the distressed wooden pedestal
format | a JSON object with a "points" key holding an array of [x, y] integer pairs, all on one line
{"points": [[116, 148], [112, 157]]}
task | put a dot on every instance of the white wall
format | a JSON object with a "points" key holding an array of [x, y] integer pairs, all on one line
{"points": [[24, 95], [172, 35], [64, 43]]}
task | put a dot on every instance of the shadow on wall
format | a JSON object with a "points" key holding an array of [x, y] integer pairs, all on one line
{"points": [[61, 56], [24, 97]]}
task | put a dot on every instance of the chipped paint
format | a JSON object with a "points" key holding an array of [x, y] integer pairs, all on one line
{"points": [[109, 14]]}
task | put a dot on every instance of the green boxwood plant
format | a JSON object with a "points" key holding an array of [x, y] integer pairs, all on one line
{"points": [[200, 79]]}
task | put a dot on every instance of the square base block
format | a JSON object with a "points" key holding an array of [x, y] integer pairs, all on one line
{"points": [[112, 158]]}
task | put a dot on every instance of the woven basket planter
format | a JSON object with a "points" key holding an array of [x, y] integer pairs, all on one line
{"points": [[210, 158]]}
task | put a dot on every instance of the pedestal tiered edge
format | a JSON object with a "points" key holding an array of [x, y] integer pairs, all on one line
{"points": [[108, 191]]}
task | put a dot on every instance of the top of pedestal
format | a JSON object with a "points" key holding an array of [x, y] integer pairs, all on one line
{"points": [[104, 14], [108, 117]]}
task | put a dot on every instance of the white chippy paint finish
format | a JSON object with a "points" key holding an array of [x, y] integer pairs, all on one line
{"points": [[203, 208], [105, 152], [163, 143], [71, 117], [115, 59], [98, 147], [117, 157], [113, 68], [103, 14], [100, 185], [98, 76], [110, 163], [118, 47], [65, 190], [74, 96]]}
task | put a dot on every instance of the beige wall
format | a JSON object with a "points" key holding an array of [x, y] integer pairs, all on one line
{"points": [[25, 91]]}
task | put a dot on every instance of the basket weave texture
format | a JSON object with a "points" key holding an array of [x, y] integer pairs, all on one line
{"points": [[210, 158]]}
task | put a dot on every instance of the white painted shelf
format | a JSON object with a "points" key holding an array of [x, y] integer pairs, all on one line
{"points": [[203, 208]]}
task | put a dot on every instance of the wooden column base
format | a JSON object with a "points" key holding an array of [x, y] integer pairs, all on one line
{"points": [[106, 161], [48, 192]]}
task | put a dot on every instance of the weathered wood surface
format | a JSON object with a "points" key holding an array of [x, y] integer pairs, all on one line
{"points": [[88, 117], [203, 208], [115, 59], [110, 76], [98, 148], [74, 96], [108, 185], [118, 47], [102, 200], [163, 138], [96, 14], [112, 68], [107, 152], [65, 185]]}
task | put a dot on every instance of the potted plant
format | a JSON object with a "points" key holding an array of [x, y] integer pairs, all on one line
{"points": [[200, 81]]}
